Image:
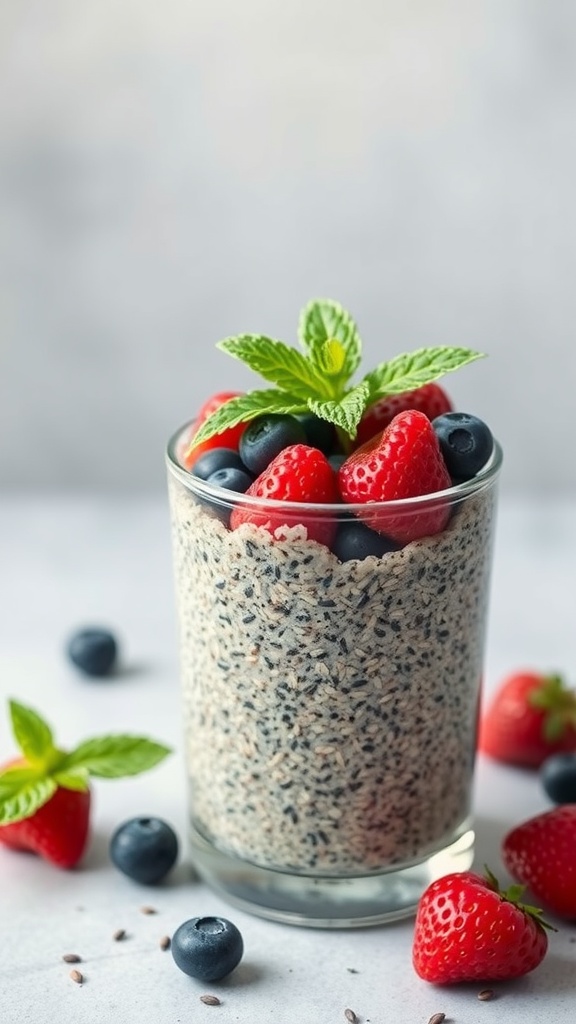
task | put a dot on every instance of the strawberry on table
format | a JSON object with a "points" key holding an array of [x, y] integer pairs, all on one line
{"points": [[45, 795], [458, 919], [227, 438], [541, 853], [430, 399], [298, 474], [530, 717], [404, 461]]}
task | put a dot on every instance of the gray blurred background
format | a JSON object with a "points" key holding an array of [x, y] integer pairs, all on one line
{"points": [[175, 171]]}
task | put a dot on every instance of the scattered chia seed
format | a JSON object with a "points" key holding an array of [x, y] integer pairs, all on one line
{"points": [[486, 994], [351, 1016], [77, 976], [165, 942], [148, 910], [119, 935], [352, 970], [437, 1018], [72, 958], [210, 1000]]}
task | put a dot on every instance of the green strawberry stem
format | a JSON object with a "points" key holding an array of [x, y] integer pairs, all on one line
{"points": [[558, 702], [29, 783], [319, 379], [512, 895]]}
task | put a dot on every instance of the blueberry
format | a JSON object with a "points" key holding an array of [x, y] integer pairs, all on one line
{"points": [[336, 461], [465, 442], [207, 948], [216, 459], [232, 478], [558, 776], [93, 651], [319, 433], [144, 849], [356, 540], [266, 436]]}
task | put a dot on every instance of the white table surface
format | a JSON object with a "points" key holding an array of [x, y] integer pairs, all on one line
{"points": [[66, 562]]}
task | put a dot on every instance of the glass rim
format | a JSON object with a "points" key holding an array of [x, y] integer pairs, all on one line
{"points": [[222, 496]]}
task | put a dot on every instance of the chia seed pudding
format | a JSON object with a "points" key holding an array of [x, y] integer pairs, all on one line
{"points": [[330, 707]]}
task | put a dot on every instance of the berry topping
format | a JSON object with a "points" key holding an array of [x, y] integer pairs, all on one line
{"points": [[228, 437], [404, 461], [298, 474], [319, 433], [530, 717], [465, 442], [558, 777], [45, 795], [93, 651], [356, 540], [207, 948], [468, 929], [541, 853], [144, 849], [265, 437], [216, 459], [232, 479], [429, 399]]}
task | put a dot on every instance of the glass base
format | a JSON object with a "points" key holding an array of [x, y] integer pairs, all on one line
{"points": [[325, 902]]}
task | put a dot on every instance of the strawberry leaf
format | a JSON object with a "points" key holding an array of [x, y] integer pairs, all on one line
{"points": [[32, 734], [22, 796], [413, 369], [278, 363], [324, 320], [112, 757], [245, 408], [346, 413]]}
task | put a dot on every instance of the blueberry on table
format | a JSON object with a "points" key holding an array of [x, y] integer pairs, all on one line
{"points": [[558, 776], [215, 460], [466, 443], [266, 436], [144, 849], [356, 540], [207, 948], [93, 651]]}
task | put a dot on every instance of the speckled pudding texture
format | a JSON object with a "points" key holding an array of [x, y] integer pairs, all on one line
{"points": [[331, 708]]}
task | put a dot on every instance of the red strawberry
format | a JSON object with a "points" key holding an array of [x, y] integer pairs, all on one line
{"points": [[298, 474], [541, 853], [467, 929], [530, 717], [229, 438], [429, 399], [45, 795], [404, 461], [57, 831]]}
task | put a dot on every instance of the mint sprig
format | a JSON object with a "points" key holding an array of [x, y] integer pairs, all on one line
{"points": [[26, 785], [319, 379]]}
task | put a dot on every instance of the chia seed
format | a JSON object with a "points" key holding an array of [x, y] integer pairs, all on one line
{"points": [[382, 661]]}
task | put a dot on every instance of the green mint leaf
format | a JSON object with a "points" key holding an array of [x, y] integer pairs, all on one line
{"points": [[413, 369], [76, 778], [324, 320], [245, 408], [278, 363], [31, 732], [332, 357], [113, 757], [22, 797], [345, 414]]}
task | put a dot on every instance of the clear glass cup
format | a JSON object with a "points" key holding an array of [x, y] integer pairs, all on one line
{"points": [[330, 707]]}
